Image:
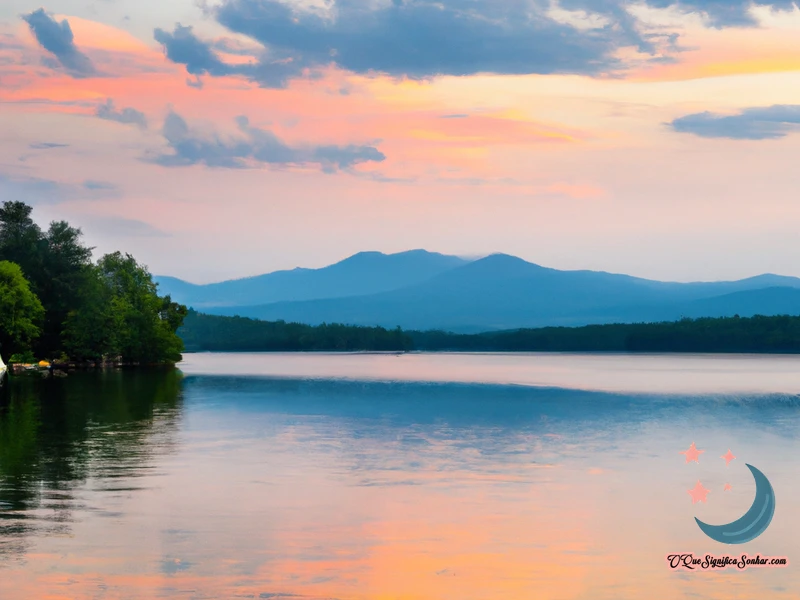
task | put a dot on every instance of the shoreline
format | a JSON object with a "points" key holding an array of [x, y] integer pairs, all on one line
{"points": [[511, 352], [62, 369]]}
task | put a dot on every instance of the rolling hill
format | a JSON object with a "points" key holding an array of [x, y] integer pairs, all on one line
{"points": [[506, 292], [362, 273]]}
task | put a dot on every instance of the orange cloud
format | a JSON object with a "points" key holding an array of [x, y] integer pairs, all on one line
{"points": [[94, 35], [417, 132], [719, 53], [483, 130]]}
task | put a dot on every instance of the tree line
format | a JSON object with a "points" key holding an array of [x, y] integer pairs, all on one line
{"points": [[56, 303], [758, 334], [202, 332]]}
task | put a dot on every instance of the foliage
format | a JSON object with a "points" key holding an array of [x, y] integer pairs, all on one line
{"points": [[21, 239], [226, 334], [91, 311], [123, 315], [89, 332], [66, 268], [23, 358], [144, 323], [20, 309], [780, 334], [54, 262]]}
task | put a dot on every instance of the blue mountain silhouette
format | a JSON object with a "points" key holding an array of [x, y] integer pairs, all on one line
{"points": [[423, 290]]}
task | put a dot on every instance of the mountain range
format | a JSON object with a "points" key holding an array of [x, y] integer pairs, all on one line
{"points": [[425, 290]]}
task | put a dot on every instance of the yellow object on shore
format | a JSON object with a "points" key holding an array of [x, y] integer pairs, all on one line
{"points": [[44, 363]]}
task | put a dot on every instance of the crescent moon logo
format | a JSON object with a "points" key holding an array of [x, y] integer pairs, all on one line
{"points": [[753, 523]]}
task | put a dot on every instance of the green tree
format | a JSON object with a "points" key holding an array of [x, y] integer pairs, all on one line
{"points": [[21, 240], [89, 333], [20, 310], [65, 275], [90, 311], [55, 263], [144, 324], [225, 334]]}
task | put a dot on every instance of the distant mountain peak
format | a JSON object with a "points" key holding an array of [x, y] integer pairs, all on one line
{"points": [[501, 257], [378, 254], [421, 252], [365, 253], [365, 272], [505, 264], [418, 289], [379, 259]]}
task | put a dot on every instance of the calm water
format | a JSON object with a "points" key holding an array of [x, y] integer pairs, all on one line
{"points": [[377, 477]]}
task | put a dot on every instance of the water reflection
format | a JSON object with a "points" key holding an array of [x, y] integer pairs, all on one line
{"points": [[61, 438], [145, 486], [407, 490]]}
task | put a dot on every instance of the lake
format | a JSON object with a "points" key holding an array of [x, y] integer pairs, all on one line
{"points": [[402, 477]]}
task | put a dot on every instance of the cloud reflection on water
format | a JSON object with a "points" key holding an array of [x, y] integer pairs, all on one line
{"points": [[366, 490]]}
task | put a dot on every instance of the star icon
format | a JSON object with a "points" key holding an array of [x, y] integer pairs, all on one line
{"points": [[698, 493], [728, 457], [692, 453], [727, 487]]}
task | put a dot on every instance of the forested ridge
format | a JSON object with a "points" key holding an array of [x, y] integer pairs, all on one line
{"points": [[56, 303], [201, 332], [724, 334], [759, 334]]}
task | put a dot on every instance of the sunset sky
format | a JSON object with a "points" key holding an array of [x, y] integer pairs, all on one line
{"points": [[227, 138]]}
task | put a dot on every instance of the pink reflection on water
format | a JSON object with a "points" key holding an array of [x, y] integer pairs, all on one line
{"points": [[267, 504], [635, 373]]}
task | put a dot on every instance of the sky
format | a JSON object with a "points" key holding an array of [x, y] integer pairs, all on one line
{"points": [[215, 139]]}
